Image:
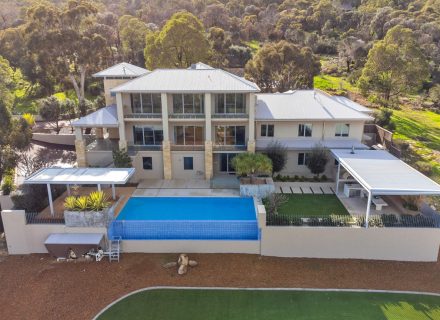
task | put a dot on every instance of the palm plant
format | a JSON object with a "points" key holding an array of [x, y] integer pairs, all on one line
{"points": [[82, 203], [70, 203], [98, 201]]}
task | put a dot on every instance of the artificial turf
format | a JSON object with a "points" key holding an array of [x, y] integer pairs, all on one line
{"points": [[193, 304], [310, 205]]}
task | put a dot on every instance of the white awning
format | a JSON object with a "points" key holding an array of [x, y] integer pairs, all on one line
{"points": [[381, 173], [106, 117], [80, 176], [308, 144]]}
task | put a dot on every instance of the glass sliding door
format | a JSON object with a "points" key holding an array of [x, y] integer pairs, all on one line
{"points": [[226, 162], [230, 135]]}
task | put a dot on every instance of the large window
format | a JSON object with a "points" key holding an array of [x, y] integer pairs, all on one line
{"points": [[147, 136], [188, 103], [146, 103], [230, 135], [305, 130], [188, 135], [267, 130], [303, 158], [188, 163], [342, 130], [230, 103]]}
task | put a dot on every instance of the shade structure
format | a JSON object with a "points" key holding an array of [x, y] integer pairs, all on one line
{"points": [[70, 176], [381, 173], [80, 176]]}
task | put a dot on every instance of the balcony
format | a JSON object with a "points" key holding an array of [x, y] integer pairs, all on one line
{"points": [[223, 147], [230, 116], [142, 116], [133, 149], [181, 147], [186, 116]]}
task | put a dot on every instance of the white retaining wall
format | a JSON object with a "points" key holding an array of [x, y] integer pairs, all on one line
{"points": [[25, 238], [62, 139], [401, 244]]}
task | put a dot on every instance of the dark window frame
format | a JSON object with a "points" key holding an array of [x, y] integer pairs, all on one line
{"points": [[149, 164], [188, 163]]}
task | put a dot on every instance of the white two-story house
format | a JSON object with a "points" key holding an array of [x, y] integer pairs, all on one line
{"points": [[190, 123]]}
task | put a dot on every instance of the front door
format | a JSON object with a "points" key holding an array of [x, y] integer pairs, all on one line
{"points": [[226, 162]]}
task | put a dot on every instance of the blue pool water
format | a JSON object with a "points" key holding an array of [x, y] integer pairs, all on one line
{"points": [[170, 208], [166, 218]]}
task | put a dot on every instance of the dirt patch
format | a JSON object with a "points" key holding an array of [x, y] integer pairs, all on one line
{"points": [[38, 287]]}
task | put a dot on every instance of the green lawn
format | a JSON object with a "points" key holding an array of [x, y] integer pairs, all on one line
{"points": [[334, 85], [421, 129], [193, 304], [309, 205]]}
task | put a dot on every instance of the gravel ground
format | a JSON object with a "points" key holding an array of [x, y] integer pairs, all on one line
{"points": [[38, 287]]}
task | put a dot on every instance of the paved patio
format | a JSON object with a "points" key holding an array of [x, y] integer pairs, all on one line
{"points": [[181, 188], [305, 187]]}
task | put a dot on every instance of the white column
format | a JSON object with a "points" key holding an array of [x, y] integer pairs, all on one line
{"points": [[99, 187], [337, 177], [165, 125], [251, 113], [208, 112], [120, 112], [113, 192], [367, 214], [49, 193], [68, 189]]}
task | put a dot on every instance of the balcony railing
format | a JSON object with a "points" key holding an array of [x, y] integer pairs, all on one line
{"points": [[143, 116], [132, 148], [187, 116], [180, 147], [102, 144], [230, 116], [222, 147]]}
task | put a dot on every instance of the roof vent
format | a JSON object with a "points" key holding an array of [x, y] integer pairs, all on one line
{"points": [[193, 66], [123, 70], [352, 150]]}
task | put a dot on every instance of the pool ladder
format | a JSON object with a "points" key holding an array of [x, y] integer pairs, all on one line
{"points": [[115, 249]]}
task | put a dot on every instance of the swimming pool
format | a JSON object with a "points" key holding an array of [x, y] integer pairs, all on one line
{"points": [[197, 208], [190, 218]]}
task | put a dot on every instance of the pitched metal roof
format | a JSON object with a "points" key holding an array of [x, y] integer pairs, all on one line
{"points": [[122, 70], [383, 174], [199, 79], [106, 117], [304, 105], [352, 104]]}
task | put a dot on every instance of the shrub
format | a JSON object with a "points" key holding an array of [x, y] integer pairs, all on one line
{"points": [[95, 201], [324, 178], [318, 158], [34, 198], [424, 167], [277, 153], [274, 202], [121, 159], [8, 185]]}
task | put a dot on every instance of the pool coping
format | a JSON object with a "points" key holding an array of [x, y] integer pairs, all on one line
{"points": [[263, 289]]}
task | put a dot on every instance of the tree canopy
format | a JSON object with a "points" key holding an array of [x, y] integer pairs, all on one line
{"points": [[181, 42], [395, 65], [282, 66]]}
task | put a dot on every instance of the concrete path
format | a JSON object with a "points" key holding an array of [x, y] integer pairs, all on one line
{"points": [[186, 193], [304, 187]]}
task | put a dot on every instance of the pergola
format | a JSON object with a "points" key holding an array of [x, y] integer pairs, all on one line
{"points": [[81, 176], [380, 173]]}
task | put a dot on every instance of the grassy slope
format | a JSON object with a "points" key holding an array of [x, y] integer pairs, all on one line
{"points": [[309, 205], [332, 84], [280, 305], [422, 130]]}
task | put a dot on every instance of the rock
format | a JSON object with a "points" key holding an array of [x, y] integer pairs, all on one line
{"points": [[170, 265], [192, 263], [183, 269], [183, 259]]}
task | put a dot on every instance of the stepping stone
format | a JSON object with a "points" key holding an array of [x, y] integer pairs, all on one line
{"points": [[286, 189], [306, 190], [316, 189], [327, 190], [296, 190]]}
